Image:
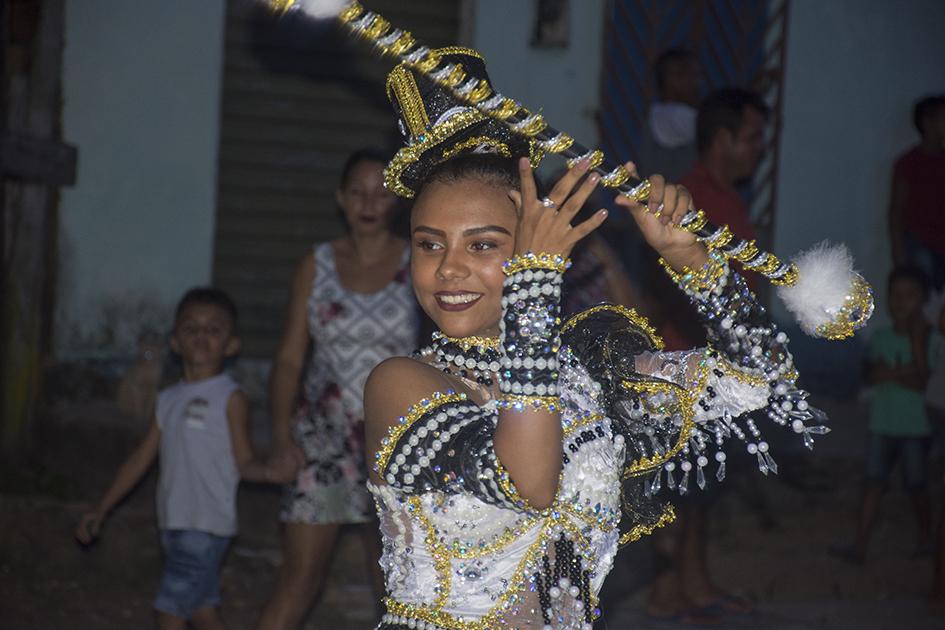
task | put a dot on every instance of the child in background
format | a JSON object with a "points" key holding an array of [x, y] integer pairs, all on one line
{"points": [[200, 427], [899, 360]]}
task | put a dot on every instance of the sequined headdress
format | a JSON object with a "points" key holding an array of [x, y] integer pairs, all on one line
{"points": [[436, 126]]}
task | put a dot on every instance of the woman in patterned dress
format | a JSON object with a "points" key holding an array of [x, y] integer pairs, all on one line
{"points": [[351, 299]]}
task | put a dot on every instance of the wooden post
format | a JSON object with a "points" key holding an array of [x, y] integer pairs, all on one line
{"points": [[32, 163]]}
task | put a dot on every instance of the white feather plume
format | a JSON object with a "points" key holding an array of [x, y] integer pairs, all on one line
{"points": [[320, 9], [825, 280]]}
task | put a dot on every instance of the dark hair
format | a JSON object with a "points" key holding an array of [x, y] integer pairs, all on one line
{"points": [[485, 167], [910, 272], [925, 107], [207, 296], [724, 109], [667, 60], [364, 154]]}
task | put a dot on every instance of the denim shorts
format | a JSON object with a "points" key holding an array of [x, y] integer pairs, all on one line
{"points": [[191, 578], [885, 450]]}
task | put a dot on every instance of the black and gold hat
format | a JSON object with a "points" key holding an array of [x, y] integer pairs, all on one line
{"points": [[437, 126]]}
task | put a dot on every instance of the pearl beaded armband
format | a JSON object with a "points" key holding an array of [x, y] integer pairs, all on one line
{"points": [[530, 332], [701, 280]]}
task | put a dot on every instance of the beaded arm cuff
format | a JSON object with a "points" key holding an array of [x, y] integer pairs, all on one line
{"points": [[530, 332], [737, 326], [447, 446], [746, 351]]}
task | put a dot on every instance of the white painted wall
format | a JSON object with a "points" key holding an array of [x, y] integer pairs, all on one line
{"points": [[564, 83], [854, 69], [141, 89]]}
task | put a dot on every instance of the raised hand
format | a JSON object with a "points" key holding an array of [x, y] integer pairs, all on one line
{"points": [[544, 225], [659, 219]]}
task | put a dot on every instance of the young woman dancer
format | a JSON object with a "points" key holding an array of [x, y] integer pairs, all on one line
{"points": [[509, 455]]}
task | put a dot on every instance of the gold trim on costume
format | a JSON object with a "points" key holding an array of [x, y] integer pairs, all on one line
{"points": [[460, 50], [531, 260], [504, 481], [686, 401], [441, 557], [639, 531], [856, 309], [630, 314], [500, 147], [699, 280], [411, 153], [474, 341], [414, 413], [402, 85]]}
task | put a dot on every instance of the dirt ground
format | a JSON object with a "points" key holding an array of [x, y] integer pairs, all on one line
{"points": [[769, 538]]}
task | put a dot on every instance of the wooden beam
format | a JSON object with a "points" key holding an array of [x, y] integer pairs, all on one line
{"points": [[32, 99]]}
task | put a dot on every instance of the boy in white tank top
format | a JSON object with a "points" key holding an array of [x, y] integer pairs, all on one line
{"points": [[200, 430]]}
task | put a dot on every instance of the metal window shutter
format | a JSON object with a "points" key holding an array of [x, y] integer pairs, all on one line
{"points": [[287, 123]]}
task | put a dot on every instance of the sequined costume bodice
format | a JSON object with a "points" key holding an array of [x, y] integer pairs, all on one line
{"points": [[461, 555], [462, 550]]}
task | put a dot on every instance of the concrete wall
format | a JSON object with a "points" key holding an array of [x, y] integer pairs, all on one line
{"points": [[854, 69], [141, 86], [564, 83]]}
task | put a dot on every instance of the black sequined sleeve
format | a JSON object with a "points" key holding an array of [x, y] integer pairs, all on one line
{"points": [[746, 368], [445, 444]]}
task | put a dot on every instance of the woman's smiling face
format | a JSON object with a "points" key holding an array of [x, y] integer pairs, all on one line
{"points": [[461, 232]]}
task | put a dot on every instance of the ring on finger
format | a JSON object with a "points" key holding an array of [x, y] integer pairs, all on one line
{"points": [[548, 203], [659, 209]]}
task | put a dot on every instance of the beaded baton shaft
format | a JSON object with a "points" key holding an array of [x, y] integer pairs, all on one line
{"points": [[476, 93]]}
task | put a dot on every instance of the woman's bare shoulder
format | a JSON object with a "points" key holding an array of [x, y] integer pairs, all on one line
{"points": [[398, 382], [393, 387]]}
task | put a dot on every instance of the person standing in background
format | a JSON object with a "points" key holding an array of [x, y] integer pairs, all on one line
{"points": [[900, 357], [669, 137], [351, 299], [200, 435], [916, 208], [730, 141]]}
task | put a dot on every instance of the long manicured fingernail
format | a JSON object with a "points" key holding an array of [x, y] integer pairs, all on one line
{"points": [[603, 213], [593, 177]]}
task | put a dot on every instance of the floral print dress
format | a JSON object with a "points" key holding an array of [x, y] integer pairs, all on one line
{"points": [[352, 332]]}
